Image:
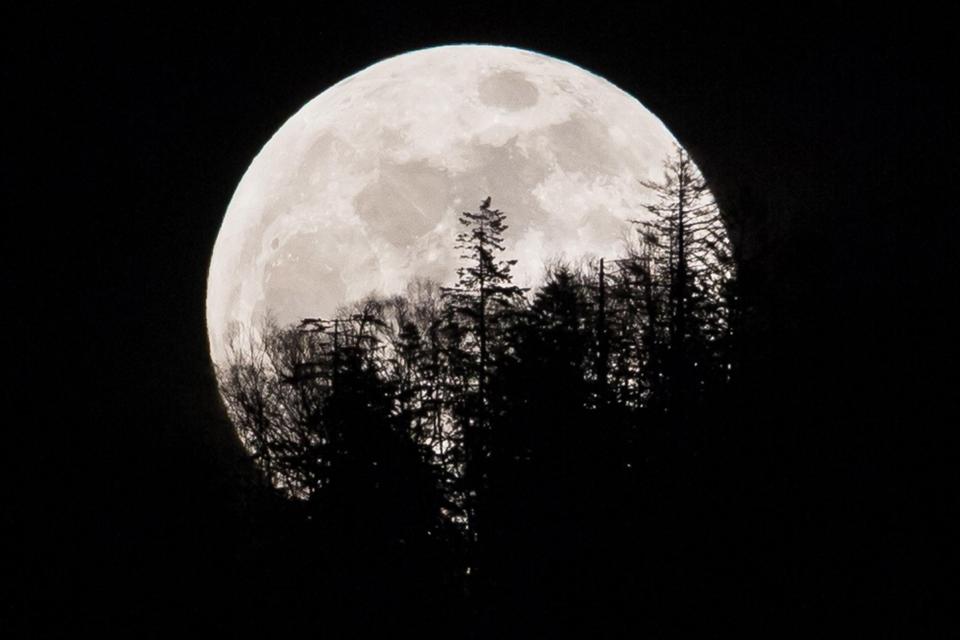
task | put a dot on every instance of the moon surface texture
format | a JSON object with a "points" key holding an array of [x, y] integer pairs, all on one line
{"points": [[360, 190]]}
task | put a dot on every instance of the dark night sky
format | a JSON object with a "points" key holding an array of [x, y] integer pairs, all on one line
{"points": [[139, 124]]}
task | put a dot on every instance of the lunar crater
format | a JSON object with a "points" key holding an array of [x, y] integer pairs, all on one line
{"points": [[509, 90]]}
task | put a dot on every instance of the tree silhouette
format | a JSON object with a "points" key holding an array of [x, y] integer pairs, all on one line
{"points": [[320, 419], [507, 454], [683, 269], [479, 306]]}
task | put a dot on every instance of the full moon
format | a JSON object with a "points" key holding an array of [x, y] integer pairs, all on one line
{"points": [[360, 190]]}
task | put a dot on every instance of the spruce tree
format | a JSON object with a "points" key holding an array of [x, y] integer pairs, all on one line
{"points": [[479, 309], [686, 264]]}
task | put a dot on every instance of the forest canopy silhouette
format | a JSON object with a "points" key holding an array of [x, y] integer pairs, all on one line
{"points": [[500, 449]]}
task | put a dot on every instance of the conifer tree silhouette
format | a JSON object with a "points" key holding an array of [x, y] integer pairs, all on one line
{"points": [[685, 267], [480, 304]]}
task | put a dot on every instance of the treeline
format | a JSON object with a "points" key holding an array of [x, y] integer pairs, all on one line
{"points": [[502, 453]]}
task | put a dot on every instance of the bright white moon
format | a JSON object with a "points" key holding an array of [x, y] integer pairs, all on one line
{"points": [[360, 190]]}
